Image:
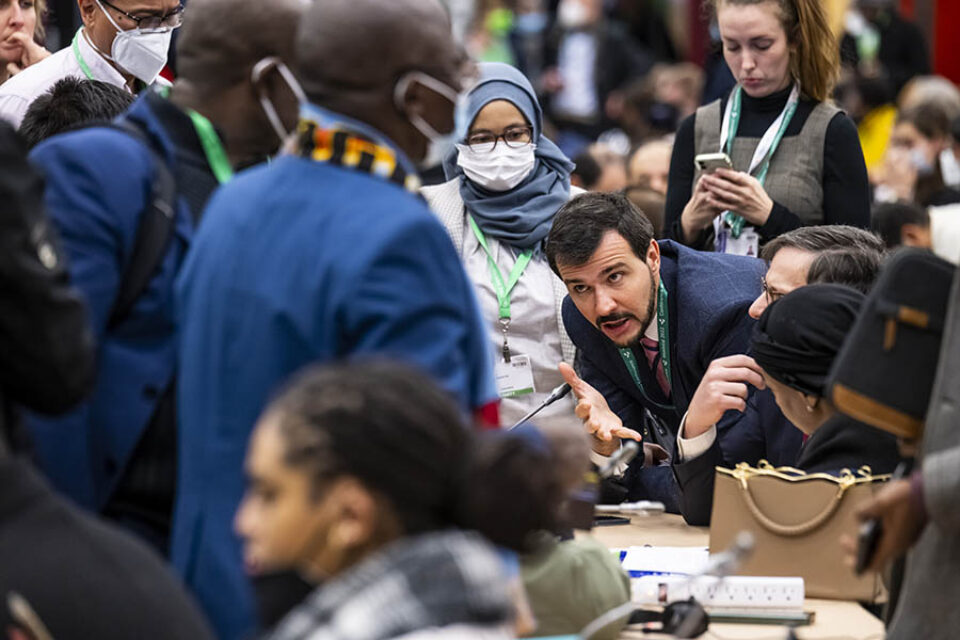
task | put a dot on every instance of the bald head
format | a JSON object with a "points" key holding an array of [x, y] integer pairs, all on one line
{"points": [[360, 44], [221, 40], [650, 165]]}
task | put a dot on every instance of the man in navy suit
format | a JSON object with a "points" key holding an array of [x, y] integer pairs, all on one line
{"points": [[662, 331]]}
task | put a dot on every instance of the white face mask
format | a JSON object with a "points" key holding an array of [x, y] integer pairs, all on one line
{"points": [[572, 14], [142, 54], [499, 170], [439, 144], [256, 75]]}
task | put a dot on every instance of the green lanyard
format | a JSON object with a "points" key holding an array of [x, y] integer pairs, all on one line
{"points": [[735, 221], [500, 288], [80, 61], [212, 147], [663, 337]]}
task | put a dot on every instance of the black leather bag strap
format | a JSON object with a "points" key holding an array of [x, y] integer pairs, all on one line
{"points": [[153, 233]]}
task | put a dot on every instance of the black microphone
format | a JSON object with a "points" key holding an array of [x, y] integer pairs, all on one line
{"points": [[555, 395]]}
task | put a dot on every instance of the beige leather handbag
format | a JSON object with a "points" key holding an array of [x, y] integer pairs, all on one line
{"points": [[796, 520]]}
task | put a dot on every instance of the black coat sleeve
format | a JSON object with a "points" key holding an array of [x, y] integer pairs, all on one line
{"points": [[846, 188], [46, 349], [680, 188], [696, 479]]}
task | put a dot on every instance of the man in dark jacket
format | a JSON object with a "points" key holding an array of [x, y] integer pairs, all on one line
{"points": [[820, 254], [82, 578], [664, 329], [589, 60], [229, 108]]}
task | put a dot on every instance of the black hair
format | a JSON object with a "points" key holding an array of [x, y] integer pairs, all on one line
{"points": [[393, 429], [821, 238], [72, 103], [888, 219], [854, 267], [579, 227], [587, 169]]}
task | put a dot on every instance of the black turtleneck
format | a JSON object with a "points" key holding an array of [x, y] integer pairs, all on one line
{"points": [[846, 191]]}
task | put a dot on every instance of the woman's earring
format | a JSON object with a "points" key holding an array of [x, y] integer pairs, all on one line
{"points": [[811, 407]]}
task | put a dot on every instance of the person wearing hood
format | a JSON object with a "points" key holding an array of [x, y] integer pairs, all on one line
{"points": [[505, 183], [795, 343]]}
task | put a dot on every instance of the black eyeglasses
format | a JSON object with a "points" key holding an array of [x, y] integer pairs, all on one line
{"points": [[772, 296], [486, 141], [171, 20]]}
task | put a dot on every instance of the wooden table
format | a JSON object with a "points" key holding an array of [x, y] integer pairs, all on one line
{"points": [[835, 619]]}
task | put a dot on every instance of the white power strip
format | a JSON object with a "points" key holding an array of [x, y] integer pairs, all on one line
{"points": [[741, 592]]}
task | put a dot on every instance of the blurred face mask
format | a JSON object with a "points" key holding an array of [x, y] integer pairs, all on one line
{"points": [[142, 54], [572, 14], [499, 170]]}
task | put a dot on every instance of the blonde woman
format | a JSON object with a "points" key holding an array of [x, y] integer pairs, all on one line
{"points": [[796, 158]]}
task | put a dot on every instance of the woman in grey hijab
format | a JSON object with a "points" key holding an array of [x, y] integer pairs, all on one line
{"points": [[505, 183]]}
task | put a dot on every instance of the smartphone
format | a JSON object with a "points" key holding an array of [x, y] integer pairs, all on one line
{"points": [[710, 162], [869, 536]]}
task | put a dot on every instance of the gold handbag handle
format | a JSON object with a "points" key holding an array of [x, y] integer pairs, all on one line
{"points": [[791, 530]]}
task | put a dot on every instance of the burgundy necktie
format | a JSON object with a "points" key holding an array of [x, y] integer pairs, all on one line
{"points": [[652, 350]]}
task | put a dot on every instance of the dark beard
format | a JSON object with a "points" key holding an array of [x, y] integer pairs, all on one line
{"points": [[651, 306], [644, 324]]}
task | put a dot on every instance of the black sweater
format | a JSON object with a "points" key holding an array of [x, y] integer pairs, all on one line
{"points": [[846, 190], [84, 578]]}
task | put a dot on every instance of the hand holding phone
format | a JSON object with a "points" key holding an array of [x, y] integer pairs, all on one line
{"points": [[867, 540], [710, 162]]}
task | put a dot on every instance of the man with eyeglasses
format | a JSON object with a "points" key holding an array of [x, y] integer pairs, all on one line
{"points": [[790, 258], [122, 42]]}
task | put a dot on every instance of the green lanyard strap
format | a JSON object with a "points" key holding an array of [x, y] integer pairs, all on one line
{"points": [[735, 221], [663, 338], [500, 288], [80, 61], [212, 147]]}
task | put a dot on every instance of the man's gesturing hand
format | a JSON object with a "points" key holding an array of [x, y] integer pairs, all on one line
{"points": [[601, 423], [723, 387]]}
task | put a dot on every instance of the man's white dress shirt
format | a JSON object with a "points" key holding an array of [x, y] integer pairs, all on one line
{"points": [[19, 92]]}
